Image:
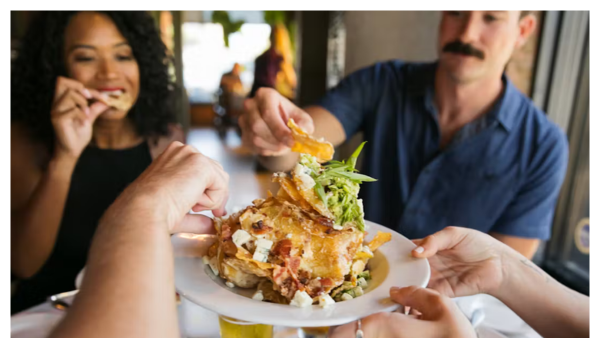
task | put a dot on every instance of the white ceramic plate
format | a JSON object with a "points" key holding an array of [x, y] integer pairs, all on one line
{"points": [[391, 266], [33, 325]]}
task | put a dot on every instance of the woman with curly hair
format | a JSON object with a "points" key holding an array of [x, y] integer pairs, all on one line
{"points": [[72, 150]]}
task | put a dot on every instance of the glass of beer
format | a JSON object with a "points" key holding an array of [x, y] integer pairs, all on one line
{"points": [[233, 328], [313, 332]]}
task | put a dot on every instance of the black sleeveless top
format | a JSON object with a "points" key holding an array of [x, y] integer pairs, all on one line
{"points": [[99, 177]]}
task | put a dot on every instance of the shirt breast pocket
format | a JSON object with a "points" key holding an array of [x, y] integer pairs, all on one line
{"points": [[476, 196]]}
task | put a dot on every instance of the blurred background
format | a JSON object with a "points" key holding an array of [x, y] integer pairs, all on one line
{"points": [[222, 57]]}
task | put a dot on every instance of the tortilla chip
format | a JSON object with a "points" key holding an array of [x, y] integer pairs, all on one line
{"points": [[291, 192], [310, 195], [233, 272], [363, 254], [380, 239], [123, 103], [307, 144]]}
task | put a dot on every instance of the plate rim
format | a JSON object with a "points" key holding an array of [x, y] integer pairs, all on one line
{"points": [[311, 322], [27, 320]]}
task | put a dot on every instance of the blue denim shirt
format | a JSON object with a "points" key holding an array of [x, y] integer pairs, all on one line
{"points": [[501, 173]]}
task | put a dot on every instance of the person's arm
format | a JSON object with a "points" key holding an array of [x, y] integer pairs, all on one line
{"points": [[525, 246], [35, 219], [128, 290], [549, 307], [528, 217], [36, 215], [339, 115], [465, 262]]}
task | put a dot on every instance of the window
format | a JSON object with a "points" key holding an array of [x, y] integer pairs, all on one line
{"points": [[206, 59]]}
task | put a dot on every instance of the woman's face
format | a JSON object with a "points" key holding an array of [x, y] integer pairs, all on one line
{"points": [[99, 57]]}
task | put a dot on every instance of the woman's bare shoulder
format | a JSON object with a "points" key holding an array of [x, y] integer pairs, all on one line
{"points": [[24, 149], [27, 158]]}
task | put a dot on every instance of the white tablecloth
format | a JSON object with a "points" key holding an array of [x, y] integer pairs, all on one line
{"points": [[491, 319], [194, 322]]}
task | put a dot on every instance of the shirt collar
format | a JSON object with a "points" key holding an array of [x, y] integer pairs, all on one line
{"points": [[507, 107], [504, 110]]}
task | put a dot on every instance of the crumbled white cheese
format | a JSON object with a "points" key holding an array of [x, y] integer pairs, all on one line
{"points": [[241, 237], [338, 227], [325, 300], [303, 173], [258, 295], [301, 299], [362, 282], [288, 236], [260, 256], [346, 296], [264, 243], [263, 246], [230, 284], [205, 260]]}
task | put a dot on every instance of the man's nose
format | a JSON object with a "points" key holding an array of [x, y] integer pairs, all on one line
{"points": [[470, 29]]}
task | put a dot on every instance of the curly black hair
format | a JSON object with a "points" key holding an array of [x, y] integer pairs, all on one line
{"points": [[40, 61]]}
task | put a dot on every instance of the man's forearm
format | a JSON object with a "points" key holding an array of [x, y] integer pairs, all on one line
{"points": [[525, 246], [552, 309], [129, 280]]}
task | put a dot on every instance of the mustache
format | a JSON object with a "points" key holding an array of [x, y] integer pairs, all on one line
{"points": [[463, 48]]}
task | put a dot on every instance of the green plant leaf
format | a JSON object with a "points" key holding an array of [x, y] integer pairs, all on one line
{"points": [[222, 18], [354, 156], [356, 176]]}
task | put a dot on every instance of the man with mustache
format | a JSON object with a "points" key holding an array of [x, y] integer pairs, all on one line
{"points": [[451, 142]]}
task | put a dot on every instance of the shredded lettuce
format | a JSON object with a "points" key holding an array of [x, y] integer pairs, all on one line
{"points": [[337, 184], [365, 274]]}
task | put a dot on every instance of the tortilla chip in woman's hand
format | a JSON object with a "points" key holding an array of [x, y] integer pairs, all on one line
{"points": [[123, 102]]}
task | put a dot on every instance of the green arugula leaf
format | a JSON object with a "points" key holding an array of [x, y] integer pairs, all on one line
{"points": [[356, 177], [354, 156], [335, 164]]}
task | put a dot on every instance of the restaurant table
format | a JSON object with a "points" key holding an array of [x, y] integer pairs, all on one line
{"points": [[194, 321], [490, 317]]}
